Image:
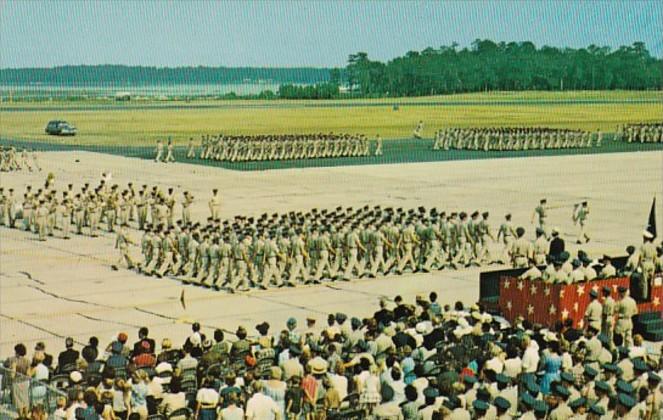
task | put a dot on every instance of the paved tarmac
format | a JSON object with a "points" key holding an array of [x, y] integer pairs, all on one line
{"points": [[50, 290]]}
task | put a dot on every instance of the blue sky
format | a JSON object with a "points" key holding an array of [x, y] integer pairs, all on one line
{"points": [[300, 33]]}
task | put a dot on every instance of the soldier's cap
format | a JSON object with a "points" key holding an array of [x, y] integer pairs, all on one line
{"points": [[291, 321], [480, 405], [469, 379], [612, 368], [576, 263], [639, 364], [520, 231], [527, 400], [502, 403], [502, 379], [624, 387], [543, 200], [653, 377], [590, 371], [622, 289], [474, 214], [594, 293], [567, 377], [532, 387], [485, 214], [452, 402], [483, 394], [602, 386], [626, 400], [355, 322], [540, 407], [597, 409], [577, 403], [561, 390], [430, 392]]}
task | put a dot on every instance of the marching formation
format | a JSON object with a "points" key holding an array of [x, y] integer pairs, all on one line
{"points": [[278, 249], [514, 138], [13, 160], [280, 147], [642, 133]]}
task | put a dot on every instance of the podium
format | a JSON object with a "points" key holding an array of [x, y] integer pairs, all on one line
{"points": [[546, 304]]}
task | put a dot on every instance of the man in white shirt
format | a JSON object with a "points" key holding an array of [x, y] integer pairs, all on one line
{"points": [[531, 355], [260, 406]]}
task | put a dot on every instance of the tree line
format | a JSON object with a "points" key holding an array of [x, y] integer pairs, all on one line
{"points": [[127, 76], [512, 66], [485, 65]]}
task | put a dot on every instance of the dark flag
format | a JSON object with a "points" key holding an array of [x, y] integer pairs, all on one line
{"points": [[651, 224]]}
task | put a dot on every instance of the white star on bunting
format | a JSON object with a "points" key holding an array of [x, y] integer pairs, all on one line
{"points": [[506, 284], [520, 285], [580, 290], [509, 305], [546, 291], [552, 310], [530, 309], [565, 314], [532, 289]]}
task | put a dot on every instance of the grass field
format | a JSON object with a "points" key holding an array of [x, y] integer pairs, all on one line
{"points": [[131, 127]]}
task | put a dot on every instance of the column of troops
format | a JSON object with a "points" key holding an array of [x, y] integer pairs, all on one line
{"points": [[642, 133], [514, 138], [295, 248], [12, 160], [281, 147]]}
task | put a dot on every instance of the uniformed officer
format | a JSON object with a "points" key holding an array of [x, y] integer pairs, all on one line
{"points": [[594, 312], [608, 315], [580, 213], [159, 151], [625, 309], [541, 215], [122, 242]]}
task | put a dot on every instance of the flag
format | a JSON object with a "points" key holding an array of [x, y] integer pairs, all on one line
{"points": [[651, 224]]}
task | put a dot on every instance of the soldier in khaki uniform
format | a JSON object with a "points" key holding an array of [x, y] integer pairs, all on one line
{"points": [[580, 213], [122, 242], [41, 216], [647, 262], [506, 234], [625, 309], [214, 204], [521, 250], [608, 314], [594, 312], [541, 215]]}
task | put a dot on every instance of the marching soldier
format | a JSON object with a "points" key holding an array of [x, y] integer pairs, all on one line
{"points": [[580, 213], [122, 242], [159, 151], [169, 154]]}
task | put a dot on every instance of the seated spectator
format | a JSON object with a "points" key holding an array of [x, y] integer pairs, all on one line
{"points": [[40, 347], [116, 359]]}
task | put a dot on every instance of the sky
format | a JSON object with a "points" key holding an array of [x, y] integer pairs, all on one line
{"points": [[301, 33]]}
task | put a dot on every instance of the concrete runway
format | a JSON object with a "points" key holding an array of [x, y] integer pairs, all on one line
{"points": [[50, 290]]}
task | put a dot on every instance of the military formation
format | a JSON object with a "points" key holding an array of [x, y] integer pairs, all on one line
{"points": [[12, 159], [641, 133], [514, 138], [298, 248], [282, 147]]}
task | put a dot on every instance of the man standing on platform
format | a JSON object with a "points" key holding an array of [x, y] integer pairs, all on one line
{"points": [[608, 315], [625, 309], [594, 312], [541, 215]]}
